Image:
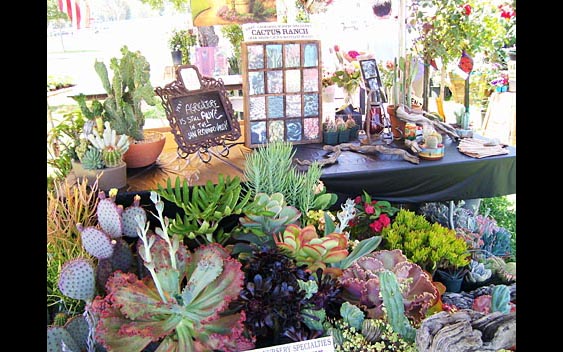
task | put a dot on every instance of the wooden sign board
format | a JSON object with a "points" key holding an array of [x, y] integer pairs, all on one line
{"points": [[198, 110], [282, 88]]}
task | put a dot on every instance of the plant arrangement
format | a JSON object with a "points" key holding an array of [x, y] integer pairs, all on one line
{"points": [[265, 275], [348, 75], [182, 40]]}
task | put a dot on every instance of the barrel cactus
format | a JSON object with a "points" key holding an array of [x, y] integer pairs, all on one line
{"points": [[112, 157]]}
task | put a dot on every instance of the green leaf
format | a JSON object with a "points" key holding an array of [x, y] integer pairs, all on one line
{"points": [[208, 268], [364, 247]]}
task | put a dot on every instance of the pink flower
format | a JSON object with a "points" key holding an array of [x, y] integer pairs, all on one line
{"points": [[353, 54], [358, 200], [369, 209]]}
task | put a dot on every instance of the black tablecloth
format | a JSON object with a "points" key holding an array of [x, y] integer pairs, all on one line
{"points": [[389, 177]]}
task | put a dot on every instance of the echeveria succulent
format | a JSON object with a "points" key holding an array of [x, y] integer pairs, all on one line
{"points": [[361, 284]]}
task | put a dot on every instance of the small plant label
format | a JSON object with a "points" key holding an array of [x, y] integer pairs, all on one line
{"points": [[323, 344]]}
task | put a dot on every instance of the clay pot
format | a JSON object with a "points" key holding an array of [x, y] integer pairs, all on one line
{"points": [[111, 177], [144, 153]]}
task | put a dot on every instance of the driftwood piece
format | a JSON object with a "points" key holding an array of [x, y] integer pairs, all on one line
{"points": [[466, 330], [372, 149], [422, 118], [328, 161]]}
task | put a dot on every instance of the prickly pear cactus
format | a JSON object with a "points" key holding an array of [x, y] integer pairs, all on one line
{"points": [[103, 271], [112, 157], [122, 258], [92, 159], [96, 242], [77, 280], [109, 214], [129, 215], [57, 337], [78, 329]]}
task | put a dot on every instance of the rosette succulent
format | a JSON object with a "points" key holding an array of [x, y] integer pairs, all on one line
{"points": [[361, 284], [307, 247]]}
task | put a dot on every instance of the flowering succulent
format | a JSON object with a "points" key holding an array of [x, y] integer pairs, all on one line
{"points": [[371, 217]]}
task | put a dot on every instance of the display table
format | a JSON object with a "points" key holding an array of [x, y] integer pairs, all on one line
{"points": [[387, 177]]}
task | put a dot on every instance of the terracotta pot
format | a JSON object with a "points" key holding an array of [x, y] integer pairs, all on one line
{"points": [[144, 153], [397, 125], [111, 177]]}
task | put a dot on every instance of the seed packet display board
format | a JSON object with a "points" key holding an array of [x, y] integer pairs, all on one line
{"points": [[282, 91]]}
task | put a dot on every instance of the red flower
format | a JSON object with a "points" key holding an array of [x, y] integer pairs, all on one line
{"points": [[376, 226], [369, 209], [384, 219], [336, 48], [358, 200], [467, 9]]}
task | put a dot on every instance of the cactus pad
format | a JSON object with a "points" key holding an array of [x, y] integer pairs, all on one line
{"points": [[109, 217], [78, 329], [122, 258], [77, 279], [103, 271], [55, 338], [97, 243], [129, 215]]}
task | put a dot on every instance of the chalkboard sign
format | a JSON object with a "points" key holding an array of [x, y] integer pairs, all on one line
{"points": [[199, 111], [201, 116]]}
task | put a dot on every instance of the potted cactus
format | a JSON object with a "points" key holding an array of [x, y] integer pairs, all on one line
{"points": [[129, 87], [98, 154]]}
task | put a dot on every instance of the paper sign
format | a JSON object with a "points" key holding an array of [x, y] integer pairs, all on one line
{"points": [[255, 32], [323, 344]]}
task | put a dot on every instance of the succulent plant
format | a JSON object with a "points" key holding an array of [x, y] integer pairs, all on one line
{"points": [[204, 207], [92, 159], [505, 271], [108, 141], [497, 242], [394, 308], [270, 214], [478, 272], [353, 333], [500, 299], [112, 157], [185, 299], [429, 245], [271, 296], [306, 247], [361, 284]]}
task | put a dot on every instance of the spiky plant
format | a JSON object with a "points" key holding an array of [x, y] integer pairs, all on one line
{"points": [[269, 169], [66, 206]]}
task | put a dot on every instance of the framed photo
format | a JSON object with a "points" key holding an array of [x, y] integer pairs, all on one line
{"points": [[369, 68]]}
